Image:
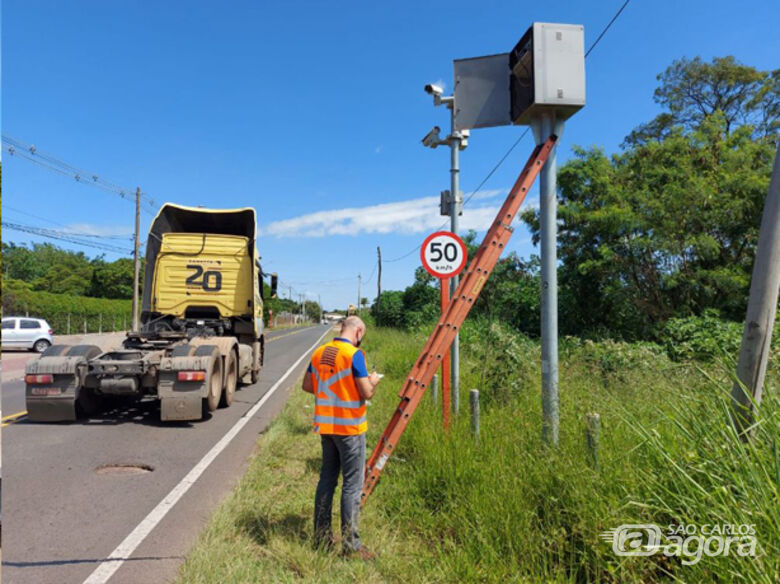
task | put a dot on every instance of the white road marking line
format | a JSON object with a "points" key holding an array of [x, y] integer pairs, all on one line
{"points": [[124, 550]]}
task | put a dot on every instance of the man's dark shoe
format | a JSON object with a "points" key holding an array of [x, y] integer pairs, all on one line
{"points": [[326, 544], [359, 554]]}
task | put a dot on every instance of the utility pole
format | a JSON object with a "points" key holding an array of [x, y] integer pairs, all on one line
{"points": [[136, 258], [357, 306], [762, 305], [543, 128], [379, 274], [289, 293], [319, 301]]}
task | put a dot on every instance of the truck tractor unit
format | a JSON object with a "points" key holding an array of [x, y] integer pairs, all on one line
{"points": [[201, 332]]}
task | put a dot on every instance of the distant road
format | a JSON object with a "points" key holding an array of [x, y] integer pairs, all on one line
{"points": [[62, 519]]}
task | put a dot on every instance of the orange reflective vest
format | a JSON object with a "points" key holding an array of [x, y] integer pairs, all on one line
{"points": [[338, 407]]}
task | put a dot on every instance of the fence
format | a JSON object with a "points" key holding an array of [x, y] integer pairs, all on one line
{"points": [[67, 323], [66, 313]]}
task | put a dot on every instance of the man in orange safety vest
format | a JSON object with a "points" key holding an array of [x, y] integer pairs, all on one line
{"points": [[339, 379]]}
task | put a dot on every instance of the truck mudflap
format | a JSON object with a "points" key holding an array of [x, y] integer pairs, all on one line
{"points": [[57, 388], [183, 400]]}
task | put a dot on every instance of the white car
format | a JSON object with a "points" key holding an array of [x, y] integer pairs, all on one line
{"points": [[26, 333]]}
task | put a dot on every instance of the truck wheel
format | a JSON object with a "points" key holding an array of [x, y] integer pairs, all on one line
{"points": [[56, 351], [86, 351], [88, 402], [255, 375], [214, 379], [231, 378]]}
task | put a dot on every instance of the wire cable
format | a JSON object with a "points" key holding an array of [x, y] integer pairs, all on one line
{"points": [[64, 236], [606, 28], [52, 163], [13, 210]]}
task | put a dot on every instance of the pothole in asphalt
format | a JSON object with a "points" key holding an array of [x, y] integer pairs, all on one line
{"points": [[123, 469]]}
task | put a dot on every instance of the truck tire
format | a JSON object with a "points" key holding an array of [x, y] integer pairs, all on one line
{"points": [[182, 351], [86, 351], [56, 351], [231, 379], [213, 376], [87, 402], [257, 365]]}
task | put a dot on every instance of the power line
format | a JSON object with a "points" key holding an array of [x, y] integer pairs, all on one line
{"points": [[30, 152], [13, 210], [70, 237], [516, 142], [10, 208], [606, 28]]}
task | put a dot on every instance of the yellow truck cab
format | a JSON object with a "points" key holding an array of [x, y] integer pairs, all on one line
{"points": [[201, 332]]}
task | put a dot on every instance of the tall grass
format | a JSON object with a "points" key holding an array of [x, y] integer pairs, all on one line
{"points": [[511, 509]]}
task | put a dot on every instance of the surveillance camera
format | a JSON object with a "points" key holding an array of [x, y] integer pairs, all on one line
{"points": [[434, 89], [431, 139]]}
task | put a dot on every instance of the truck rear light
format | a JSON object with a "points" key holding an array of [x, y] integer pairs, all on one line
{"points": [[47, 378], [192, 376], [51, 331]]}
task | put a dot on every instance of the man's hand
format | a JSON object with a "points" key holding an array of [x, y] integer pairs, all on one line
{"points": [[375, 378]]}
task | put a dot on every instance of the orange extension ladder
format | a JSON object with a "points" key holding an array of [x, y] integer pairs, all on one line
{"points": [[442, 336]]}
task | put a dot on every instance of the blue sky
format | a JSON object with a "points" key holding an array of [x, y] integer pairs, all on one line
{"points": [[302, 108]]}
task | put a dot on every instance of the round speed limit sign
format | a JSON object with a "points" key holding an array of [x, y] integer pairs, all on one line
{"points": [[443, 254]]}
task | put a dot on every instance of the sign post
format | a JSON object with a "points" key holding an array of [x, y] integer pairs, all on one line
{"points": [[444, 256]]}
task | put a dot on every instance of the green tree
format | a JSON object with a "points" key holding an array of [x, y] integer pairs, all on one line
{"points": [[691, 91], [112, 279], [388, 310], [668, 227]]}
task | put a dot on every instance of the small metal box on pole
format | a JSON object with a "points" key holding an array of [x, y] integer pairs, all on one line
{"points": [[547, 72]]}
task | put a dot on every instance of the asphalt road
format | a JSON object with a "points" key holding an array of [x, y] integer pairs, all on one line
{"points": [[62, 519]]}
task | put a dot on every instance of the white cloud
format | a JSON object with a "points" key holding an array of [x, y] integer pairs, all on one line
{"points": [[404, 217]]}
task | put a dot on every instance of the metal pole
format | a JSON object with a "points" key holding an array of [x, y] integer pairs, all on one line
{"points": [[454, 215], [68, 323], [762, 306], [446, 389], [435, 390], [543, 127], [357, 306], [136, 258]]}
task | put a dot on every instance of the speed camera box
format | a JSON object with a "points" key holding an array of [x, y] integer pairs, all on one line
{"points": [[547, 72]]}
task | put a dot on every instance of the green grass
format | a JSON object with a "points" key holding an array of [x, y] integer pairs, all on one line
{"points": [[511, 509]]}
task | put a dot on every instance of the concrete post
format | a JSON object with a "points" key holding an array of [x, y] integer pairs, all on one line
{"points": [[474, 399], [762, 307]]}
